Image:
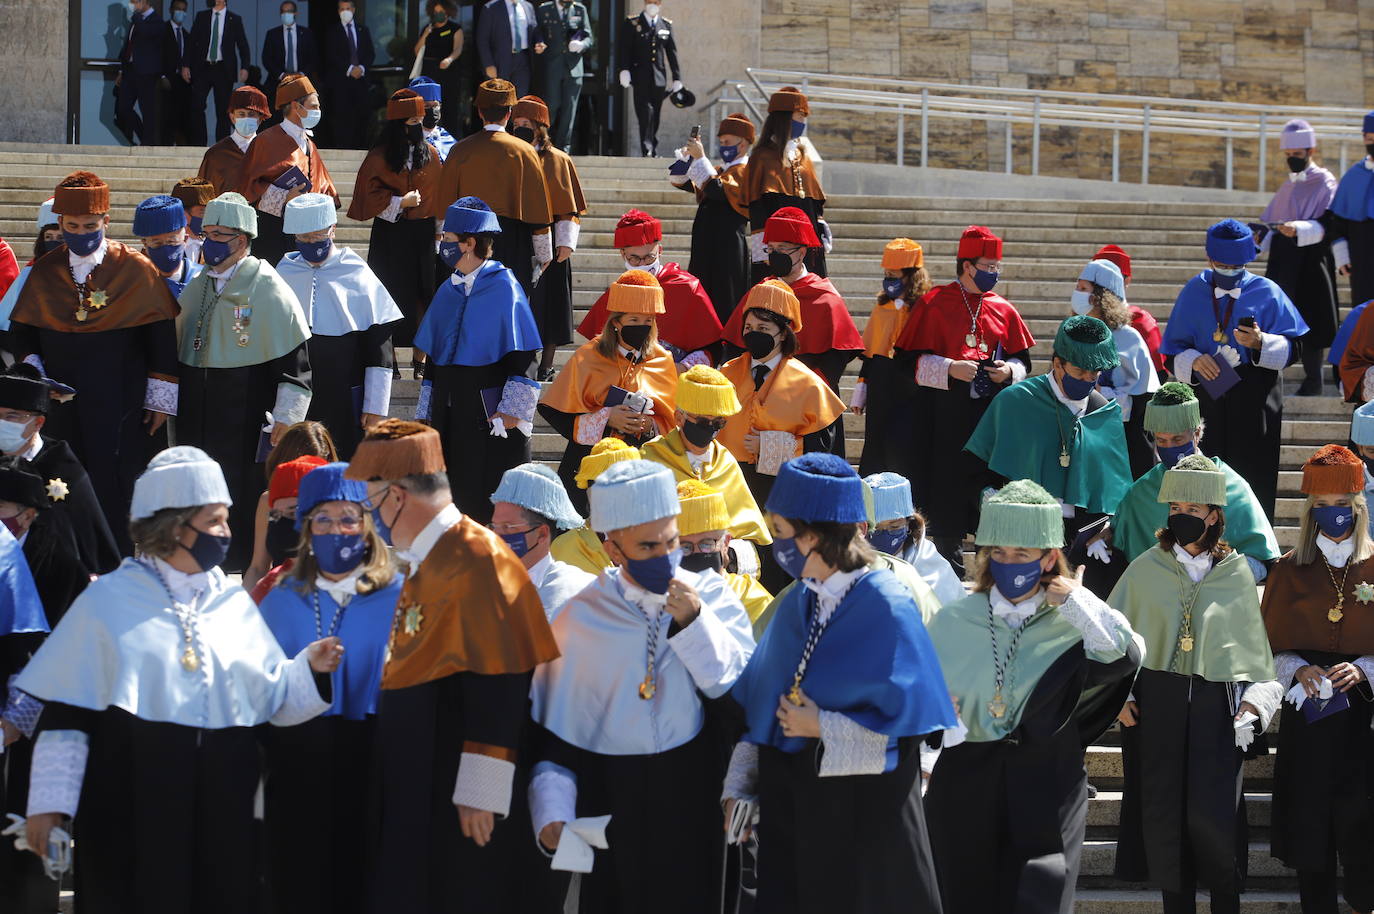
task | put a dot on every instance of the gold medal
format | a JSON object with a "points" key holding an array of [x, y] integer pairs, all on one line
{"points": [[969, 339], [243, 339], [189, 661], [97, 299], [794, 694], [1185, 644], [1063, 459], [997, 707], [1219, 335], [411, 619], [646, 688], [1335, 614], [81, 313]]}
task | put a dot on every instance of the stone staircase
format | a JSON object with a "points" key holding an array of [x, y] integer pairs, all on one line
{"points": [[1047, 242]]}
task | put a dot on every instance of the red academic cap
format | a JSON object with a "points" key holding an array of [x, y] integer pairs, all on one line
{"points": [[790, 226], [1117, 256], [286, 478], [979, 241], [637, 227]]}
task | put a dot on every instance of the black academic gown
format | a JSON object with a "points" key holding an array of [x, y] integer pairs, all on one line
{"points": [[1308, 276], [770, 203], [221, 411], [1360, 236], [889, 418], [514, 247], [78, 514], [720, 249], [1007, 818], [831, 365], [338, 365]]}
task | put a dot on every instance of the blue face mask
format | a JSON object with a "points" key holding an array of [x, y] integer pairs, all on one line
{"points": [[208, 550], [655, 573], [451, 253], [178, 16], [166, 258], [519, 545], [798, 128], [893, 288], [889, 541], [215, 252], [1334, 520], [81, 245], [195, 224], [984, 280], [1226, 279], [338, 553], [315, 251], [1172, 455], [788, 556], [311, 119], [1015, 579], [288, 18], [246, 126], [383, 528], [1074, 388], [728, 154]]}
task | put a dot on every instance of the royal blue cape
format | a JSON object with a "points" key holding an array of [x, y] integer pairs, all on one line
{"points": [[1193, 321], [21, 611], [1354, 198], [478, 329]]}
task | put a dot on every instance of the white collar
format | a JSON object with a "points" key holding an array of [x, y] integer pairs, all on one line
{"points": [[296, 132], [185, 588], [146, 13], [650, 603], [240, 141], [541, 568], [31, 452], [1014, 614], [94, 258], [742, 160], [343, 589], [438, 525], [771, 363], [1077, 407], [1296, 176], [630, 355], [1337, 554], [1197, 566], [464, 281], [228, 273], [288, 27], [1369, 162], [830, 592], [696, 460], [494, 128]]}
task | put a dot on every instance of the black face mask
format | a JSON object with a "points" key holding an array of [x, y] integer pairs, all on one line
{"points": [[1186, 528], [524, 133], [431, 118], [415, 133], [1297, 163], [634, 336], [1369, 148], [759, 343], [282, 539], [699, 434], [49, 244], [779, 264], [703, 561]]}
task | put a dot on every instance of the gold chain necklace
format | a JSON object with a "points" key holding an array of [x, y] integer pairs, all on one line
{"points": [[1187, 601], [1337, 613]]}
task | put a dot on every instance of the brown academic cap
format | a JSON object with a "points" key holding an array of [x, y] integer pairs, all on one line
{"points": [[81, 193], [532, 107], [737, 124], [395, 449], [251, 98], [788, 98], [496, 93], [404, 104], [194, 192], [292, 87]]}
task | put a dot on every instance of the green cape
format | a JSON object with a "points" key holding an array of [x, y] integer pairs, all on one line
{"points": [[1018, 438], [276, 326], [1140, 514], [1230, 641]]}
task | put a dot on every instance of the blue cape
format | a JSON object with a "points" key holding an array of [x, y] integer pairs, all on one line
{"points": [[1354, 198], [12, 297], [21, 611], [189, 270], [499, 321], [365, 630], [874, 663], [1343, 335], [1193, 321]]}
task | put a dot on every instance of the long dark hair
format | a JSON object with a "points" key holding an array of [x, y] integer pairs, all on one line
{"points": [[777, 130], [397, 148]]}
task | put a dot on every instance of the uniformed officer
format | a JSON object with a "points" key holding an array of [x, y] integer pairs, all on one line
{"points": [[568, 29], [647, 54]]}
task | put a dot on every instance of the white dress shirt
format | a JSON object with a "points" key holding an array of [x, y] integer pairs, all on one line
{"points": [[215, 52], [1197, 566], [222, 279], [297, 133], [1014, 614], [82, 267], [424, 542], [1336, 553]]}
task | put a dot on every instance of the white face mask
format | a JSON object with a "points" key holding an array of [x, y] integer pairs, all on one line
{"points": [[345, 16], [1081, 302], [651, 268], [12, 435], [651, 10]]}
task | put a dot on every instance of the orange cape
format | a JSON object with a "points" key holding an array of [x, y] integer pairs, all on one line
{"points": [[582, 385], [793, 399]]}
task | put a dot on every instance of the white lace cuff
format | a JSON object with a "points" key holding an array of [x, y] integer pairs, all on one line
{"points": [[1106, 633], [1340, 252], [273, 200], [1018, 370], [850, 748], [742, 777], [1183, 365], [1310, 231], [710, 653], [1366, 665], [700, 171], [1273, 353], [699, 357], [775, 449], [756, 251], [292, 404], [161, 396], [425, 403], [589, 428], [484, 782], [553, 797], [58, 768], [392, 211], [518, 399], [859, 399], [303, 700], [566, 232], [933, 371], [1265, 696], [1367, 388], [22, 710], [34, 360], [543, 247], [376, 390], [1287, 664]]}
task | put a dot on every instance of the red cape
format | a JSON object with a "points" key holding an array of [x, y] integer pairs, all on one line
{"points": [[940, 322], [1145, 324], [689, 321], [826, 323], [9, 267]]}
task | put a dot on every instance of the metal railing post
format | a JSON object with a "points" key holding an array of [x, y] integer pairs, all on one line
{"points": [[1145, 144], [1009, 144], [1345, 161], [901, 136], [1116, 156], [925, 130], [1035, 138], [1230, 162], [1263, 150]]}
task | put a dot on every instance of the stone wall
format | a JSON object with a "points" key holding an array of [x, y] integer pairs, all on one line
{"points": [[1288, 52], [33, 71]]}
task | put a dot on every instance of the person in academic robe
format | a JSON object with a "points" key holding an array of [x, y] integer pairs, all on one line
{"points": [[688, 327], [623, 710], [836, 698], [281, 540], [507, 173], [529, 509], [195, 194], [318, 780], [1316, 609], [26, 399], [1232, 333], [159, 737], [49, 238], [469, 630], [352, 318], [886, 403], [960, 346], [223, 162], [704, 531], [829, 341], [26, 510], [304, 439], [720, 240], [1101, 293], [433, 95], [160, 222], [582, 547], [1352, 221], [784, 170], [277, 161], [480, 339], [899, 530], [1143, 321], [1038, 667], [243, 357], [96, 316], [1362, 436], [622, 382], [398, 189], [1293, 230], [552, 300], [1206, 692]]}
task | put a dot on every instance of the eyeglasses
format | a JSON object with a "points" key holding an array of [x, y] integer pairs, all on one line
{"points": [[641, 260], [217, 235], [988, 267], [373, 502], [323, 523], [715, 423], [502, 529], [702, 546]]}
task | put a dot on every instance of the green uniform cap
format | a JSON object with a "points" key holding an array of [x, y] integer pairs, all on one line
{"points": [[1173, 410], [1087, 343], [1194, 479], [1022, 514]]}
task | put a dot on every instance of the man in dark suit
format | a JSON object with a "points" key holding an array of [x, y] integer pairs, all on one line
{"points": [[217, 58], [287, 48], [347, 55], [176, 109], [567, 27], [149, 55], [508, 37], [648, 54]]}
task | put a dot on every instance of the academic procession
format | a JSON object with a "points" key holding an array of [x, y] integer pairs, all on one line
{"points": [[358, 555]]}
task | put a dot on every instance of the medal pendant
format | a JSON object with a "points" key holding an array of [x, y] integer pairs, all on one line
{"points": [[81, 314], [794, 694], [1219, 335], [969, 339], [195, 344], [1063, 460], [97, 299], [1335, 614], [1185, 644], [243, 339], [189, 661], [997, 708], [646, 689], [983, 348]]}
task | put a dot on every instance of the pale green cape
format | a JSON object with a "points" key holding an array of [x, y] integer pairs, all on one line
{"points": [[276, 326]]}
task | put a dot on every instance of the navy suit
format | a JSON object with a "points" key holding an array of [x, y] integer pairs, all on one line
{"points": [[219, 76], [496, 43], [348, 110], [274, 55], [176, 108], [149, 54]]}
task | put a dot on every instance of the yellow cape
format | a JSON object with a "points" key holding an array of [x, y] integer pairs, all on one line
{"points": [[581, 548], [721, 472], [751, 593]]}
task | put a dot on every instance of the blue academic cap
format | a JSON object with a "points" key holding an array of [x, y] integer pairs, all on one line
{"points": [[326, 483], [470, 216], [818, 487], [1231, 242], [426, 88], [158, 215], [537, 488], [1362, 425], [891, 496], [632, 492], [1105, 274]]}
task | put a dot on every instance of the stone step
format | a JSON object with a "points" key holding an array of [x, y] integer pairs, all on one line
{"points": [[1099, 856], [1104, 810], [1145, 901]]}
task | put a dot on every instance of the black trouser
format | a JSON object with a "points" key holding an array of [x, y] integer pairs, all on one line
{"points": [[176, 112], [350, 112], [561, 92], [519, 74], [648, 103], [144, 126], [220, 78]]}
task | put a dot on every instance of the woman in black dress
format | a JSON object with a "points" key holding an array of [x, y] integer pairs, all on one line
{"points": [[440, 47]]}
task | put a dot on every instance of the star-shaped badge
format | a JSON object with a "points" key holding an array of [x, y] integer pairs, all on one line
{"points": [[57, 489], [98, 299], [1364, 592], [411, 619]]}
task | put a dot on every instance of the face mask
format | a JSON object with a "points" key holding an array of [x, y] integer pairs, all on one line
{"points": [[178, 16], [439, 17], [655, 573], [214, 252], [312, 118], [1226, 279], [759, 343], [985, 280], [1081, 302], [699, 434], [728, 154], [49, 245], [315, 251], [246, 126], [288, 18], [1074, 388], [12, 524], [523, 133], [1369, 149], [889, 541], [450, 252], [415, 134], [195, 224], [1172, 455], [788, 556], [1015, 579], [13, 436], [634, 336], [345, 16], [893, 288], [1368, 464], [1297, 163], [651, 268], [798, 128], [166, 258], [1186, 528], [282, 539], [431, 119], [704, 561], [208, 550], [338, 553], [651, 10], [1334, 520], [516, 542], [779, 264], [81, 245]]}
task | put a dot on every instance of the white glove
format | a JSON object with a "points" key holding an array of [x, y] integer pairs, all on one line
{"points": [[955, 735], [625, 79], [498, 427], [1297, 695], [1245, 730], [58, 858], [1230, 355], [674, 86], [579, 836], [1098, 550], [576, 45]]}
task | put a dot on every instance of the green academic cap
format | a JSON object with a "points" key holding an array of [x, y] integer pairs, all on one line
{"points": [[1022, 514], [1173, 410], [1194, 479], [1087, 343]]}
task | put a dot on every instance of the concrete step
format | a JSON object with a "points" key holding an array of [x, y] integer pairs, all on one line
{"points": [[1099, 857], [1104, 810], [1145, 901]]}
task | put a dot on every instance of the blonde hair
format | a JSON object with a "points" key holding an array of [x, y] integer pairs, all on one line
{"points": [[608, 342], [1305, 553], [378, 569], [980, 575], [1115, 312], [157, 536]]}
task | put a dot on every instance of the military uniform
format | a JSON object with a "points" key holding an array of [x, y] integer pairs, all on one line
{"points": [[563, 22], [649, 53]]}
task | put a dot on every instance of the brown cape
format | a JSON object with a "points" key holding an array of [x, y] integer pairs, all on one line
{"points": [[376, 184], [504, 171], [221, 165], [565, 190], [135, 293], [1297, 599], [271, 153]]}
